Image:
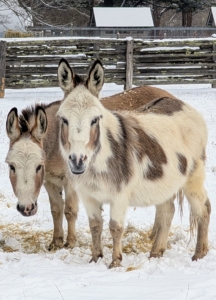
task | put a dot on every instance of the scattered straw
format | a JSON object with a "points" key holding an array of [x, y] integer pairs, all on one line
{"points": [[135, 240]]}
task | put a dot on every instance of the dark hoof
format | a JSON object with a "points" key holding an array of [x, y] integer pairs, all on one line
{"points": [[198, 256], [95, 258], [56, 245], [201, 253], [70, 244]]}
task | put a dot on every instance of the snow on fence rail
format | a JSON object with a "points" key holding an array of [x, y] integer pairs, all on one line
{"points": [[33, 62]]}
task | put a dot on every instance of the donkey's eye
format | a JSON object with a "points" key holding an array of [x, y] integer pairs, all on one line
{"points": [[38, 168], [12, 168], [94, 121], [65, 121]]}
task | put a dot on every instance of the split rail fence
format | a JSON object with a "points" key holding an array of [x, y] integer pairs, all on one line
{"points": [[29, 63]]}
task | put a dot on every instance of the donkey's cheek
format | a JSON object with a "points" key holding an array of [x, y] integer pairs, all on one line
{"points": [[94, 139], [64, 136], [13, 181], [39, 181]]}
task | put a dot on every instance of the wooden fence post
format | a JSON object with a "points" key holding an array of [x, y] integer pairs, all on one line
{"points": [[129, 65], [214, 68], [2, 68]]}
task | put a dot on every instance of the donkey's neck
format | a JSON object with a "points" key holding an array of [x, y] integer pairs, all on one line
{"points": [[111, 123]]}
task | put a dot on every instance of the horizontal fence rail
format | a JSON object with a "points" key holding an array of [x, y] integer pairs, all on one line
{"points": [[34, 62]]}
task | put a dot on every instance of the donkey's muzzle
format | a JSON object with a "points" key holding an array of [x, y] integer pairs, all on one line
{"points": [[77, 165], [27, 210]]}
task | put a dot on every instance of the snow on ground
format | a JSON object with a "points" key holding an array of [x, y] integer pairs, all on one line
{"points": [[29, 271]]}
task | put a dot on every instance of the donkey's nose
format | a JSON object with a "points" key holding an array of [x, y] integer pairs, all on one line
{"points": [[27, 210], [77, 164]]}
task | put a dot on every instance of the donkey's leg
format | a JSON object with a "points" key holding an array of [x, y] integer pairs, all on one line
{"points": [[71, 211], [94, 211], [156, 223], [57, 205], [200, 207], [118, 210], [163, 219]]}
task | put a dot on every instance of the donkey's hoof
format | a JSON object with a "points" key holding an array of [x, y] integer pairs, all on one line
{"points": [[70, 244], [198, 256], [95, 258], [55, 245], [115, 264], [201, 252], [157, 254]]}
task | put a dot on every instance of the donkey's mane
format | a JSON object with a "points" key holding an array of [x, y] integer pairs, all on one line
{"points": [[27, 115]]}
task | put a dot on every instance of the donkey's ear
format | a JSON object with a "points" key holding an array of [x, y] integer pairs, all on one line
{"points": [[65, 76], [12, 125], [95, 78], [40, 127]]}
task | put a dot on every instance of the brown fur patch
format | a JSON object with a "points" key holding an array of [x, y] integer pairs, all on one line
{"points": [[164, 106], [64, 134], [134, 98], [182, 163], [119, 164], [94, 141], [39, 180], [149, 146]]}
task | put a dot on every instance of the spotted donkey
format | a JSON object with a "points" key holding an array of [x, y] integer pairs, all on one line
{"points": [[34, 156], [133, 158]]}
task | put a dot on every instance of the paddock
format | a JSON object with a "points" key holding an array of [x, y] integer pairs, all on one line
{"points": [[28, 269]]}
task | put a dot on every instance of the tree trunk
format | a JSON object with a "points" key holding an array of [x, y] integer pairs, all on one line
{"points": [[108, 3], [189, 19], [156, 16], [186, 19]]}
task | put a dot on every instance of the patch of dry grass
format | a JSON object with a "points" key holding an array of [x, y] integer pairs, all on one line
{"points": [[31, 241]]}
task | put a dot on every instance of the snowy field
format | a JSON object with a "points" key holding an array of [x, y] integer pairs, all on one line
{"points": [[29, 271]]}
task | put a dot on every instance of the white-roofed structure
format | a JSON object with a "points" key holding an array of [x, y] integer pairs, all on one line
{"points": [[123, 17], [211, 21]]}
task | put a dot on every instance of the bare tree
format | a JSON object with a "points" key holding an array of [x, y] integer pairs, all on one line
{"points": [[188, 8], [56, 13], [12, 6]]}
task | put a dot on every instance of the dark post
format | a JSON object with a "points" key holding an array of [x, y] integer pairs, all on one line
{"points": [[2, 68], [129, 65]]}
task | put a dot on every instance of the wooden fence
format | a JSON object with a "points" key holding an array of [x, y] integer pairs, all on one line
{"points": [[33, 62]]}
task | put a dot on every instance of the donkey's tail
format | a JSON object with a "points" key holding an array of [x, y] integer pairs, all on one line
{"points": [[193, 221]]}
